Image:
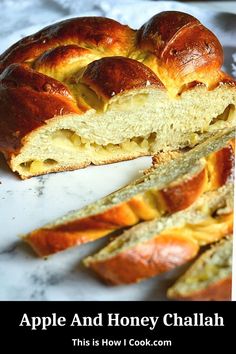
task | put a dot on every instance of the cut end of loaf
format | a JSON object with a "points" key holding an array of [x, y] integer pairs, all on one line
{"points": [[120, 130], [209, 278]]}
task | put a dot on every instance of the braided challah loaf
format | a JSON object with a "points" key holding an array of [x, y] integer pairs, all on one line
{"points": [[93, 91]]}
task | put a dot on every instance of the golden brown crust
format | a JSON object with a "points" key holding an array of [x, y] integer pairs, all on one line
{"points": [[111, 76], [221, 165], [219, 290], [182, 47], [59, 238], [157, 32], [19, 75], [47, 242], [182, 195], [169, 249], [60, 58], [146, 260], [102, 34], [27, 100]]}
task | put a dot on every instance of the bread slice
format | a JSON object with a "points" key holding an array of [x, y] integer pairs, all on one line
{"points": [[209, 277], [172, 186], [93, 91], [157, 246]]}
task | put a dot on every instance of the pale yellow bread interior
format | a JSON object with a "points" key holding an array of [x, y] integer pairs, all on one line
{"points": [[213, 265], [138, 123]]}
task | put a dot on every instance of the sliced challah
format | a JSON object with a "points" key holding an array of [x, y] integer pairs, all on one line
{"points": [[157, 246], [209, 277], [170, 187], [93, 91]]}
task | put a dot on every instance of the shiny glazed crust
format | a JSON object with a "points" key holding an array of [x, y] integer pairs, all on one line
{"points": [[162, 253], [27, 100], [146, 260], [183, 48]]}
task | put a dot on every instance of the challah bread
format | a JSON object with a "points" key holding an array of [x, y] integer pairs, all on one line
{"points": [[93, 91], [209, 277], [157, 246], [170, 187]]}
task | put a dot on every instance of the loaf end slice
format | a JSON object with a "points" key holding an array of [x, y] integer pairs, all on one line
{"points": [[209, 277]]}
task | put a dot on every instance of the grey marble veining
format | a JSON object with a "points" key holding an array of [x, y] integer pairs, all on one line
{"points": [[26, 205]]}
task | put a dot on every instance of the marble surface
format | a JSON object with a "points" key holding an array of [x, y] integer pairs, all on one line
{"points": [[25, 205]]}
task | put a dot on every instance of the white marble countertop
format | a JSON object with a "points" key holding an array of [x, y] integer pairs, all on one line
{"points": [[25, 205]]}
